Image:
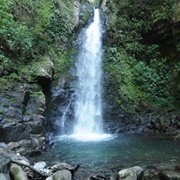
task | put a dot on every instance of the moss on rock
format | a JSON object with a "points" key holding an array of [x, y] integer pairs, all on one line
{"points": [[32, 71]]}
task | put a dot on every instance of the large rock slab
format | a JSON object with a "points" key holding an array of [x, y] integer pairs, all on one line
{"points": [[21, 110]]}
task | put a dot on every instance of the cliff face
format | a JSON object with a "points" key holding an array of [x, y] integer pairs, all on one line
{"points": [[35, 44], [36, 49]]}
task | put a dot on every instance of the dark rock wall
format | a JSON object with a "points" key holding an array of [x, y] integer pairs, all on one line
{"points": [[21, 111]]}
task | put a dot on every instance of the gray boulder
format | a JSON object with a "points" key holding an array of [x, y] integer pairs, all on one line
{"points": [[42, 167], [169, 174], [62, 166], [4, 176], [21, 111], [151, 173], [133, 173], [62, 175], [18, 173]]}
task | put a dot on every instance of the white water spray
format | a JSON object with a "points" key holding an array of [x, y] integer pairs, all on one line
{"points": [[63, 119], [88, 105]]}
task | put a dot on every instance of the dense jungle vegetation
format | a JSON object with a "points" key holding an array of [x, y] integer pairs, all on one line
{"points": [[32, 29], [141, 47], [142, 52]]}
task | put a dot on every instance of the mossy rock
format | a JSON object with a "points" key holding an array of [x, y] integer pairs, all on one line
{"points": [[18, 173], [43, 68], [5, 85], [93, 2]]}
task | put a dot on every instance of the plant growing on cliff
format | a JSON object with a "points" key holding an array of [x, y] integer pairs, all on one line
{"points": [[140, 75], [30, 29]]}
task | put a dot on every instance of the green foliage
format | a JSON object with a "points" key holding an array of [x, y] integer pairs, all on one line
{"points": [[58, 31], [14, 37], [140, 77], [34, 13], [1, 112], [63, 62], [30, 29]]}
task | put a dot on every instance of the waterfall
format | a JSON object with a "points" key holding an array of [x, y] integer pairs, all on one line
{"points": [[63, 118], [88, 104]]}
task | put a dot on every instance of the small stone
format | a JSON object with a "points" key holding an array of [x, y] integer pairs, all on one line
{"points": [[151, 173], [49, 178], [62, 175], [18, 173], [41, 166], [132, 173], [62, 166], [13, 145]]}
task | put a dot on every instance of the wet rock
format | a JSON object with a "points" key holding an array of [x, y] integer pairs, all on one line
{"points": [[14, 133], [4, 177], [43, 69], [3, 145], [169, 175], [177, 168], [49, 178], [5, 161], [61, 166], [151, 122], [59, 101], [62, 175], [177, 137], [20, 160], [163, 176], [36, 104], [13, 145], [95, 178], [99, 177], [21, 111], [18, 173], [32, 147], [151, 173], [25, 143], [132, 173], [41, 166]]}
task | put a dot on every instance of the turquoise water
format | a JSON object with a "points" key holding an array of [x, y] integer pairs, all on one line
{"points": [[116, 153]]}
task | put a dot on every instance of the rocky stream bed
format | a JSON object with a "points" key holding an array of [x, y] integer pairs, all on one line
{"points": [[21, 161]]}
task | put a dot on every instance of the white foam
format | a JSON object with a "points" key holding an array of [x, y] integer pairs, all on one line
{"points": [[88, 137]]}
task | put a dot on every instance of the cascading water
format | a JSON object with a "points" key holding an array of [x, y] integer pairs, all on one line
{"points": [[88, 105]]}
